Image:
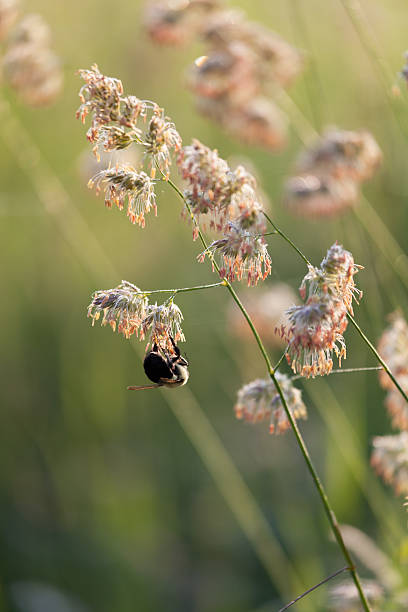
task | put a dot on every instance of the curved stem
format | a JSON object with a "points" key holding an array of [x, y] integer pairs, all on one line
{"points": [[345, 371], [365, 212], [58, 203], [281, 358], [288, 240], [360, 331], [303, 448], [313, 588], [378, 356], [181, 289]]}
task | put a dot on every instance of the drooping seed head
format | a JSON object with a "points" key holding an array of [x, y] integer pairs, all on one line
{"points": [[161, 322], [334, 278], [258, 122], [115, 117], [259, 401], [170, 22], [123, 184], [308, 195], [345, 597], [101, 96], [316, 332], [397, 405], [32, 29], [30, 66], [126, 309], [35, 73], [217, 191], [228, 73], [390, 460], [160, 139], [277, 60], [342, 154], [242, 254], [123, 308], [393, 348]]}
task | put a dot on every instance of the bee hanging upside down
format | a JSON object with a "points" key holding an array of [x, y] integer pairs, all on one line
{"points": [[164, 369]]}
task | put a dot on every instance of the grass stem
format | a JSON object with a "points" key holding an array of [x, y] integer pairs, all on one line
{"points": [[69, 222], [301, 443]]}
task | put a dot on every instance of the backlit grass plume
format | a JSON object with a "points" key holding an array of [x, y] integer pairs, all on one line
{"points": [[259, 401], [217, 191], [117, 122], [242, 63], [327, 176], [390, 460], [225, 201], [123, 184], [315, 329], [241, 253], [126, 309], [29, 63]]}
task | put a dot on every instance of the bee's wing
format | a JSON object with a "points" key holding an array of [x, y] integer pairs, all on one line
{"points": [[143, 387]]}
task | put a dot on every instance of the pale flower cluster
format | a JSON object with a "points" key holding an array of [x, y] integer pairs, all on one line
{"points": [[29, 64], [118, 121], [259, 401], [241, 65], [121, 184], [390, 460], [228, 198], [390, 453], [316, 328], [393, 348], [216, 190], [177, 22], [327, 175], [126, 309], [345, 597], [115, 119], [242, 254]]}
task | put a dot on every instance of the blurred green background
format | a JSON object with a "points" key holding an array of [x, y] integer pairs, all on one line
{"points": [[103, 494]]}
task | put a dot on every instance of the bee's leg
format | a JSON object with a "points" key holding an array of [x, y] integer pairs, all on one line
{"points": [[175, 347], [145, 387]]}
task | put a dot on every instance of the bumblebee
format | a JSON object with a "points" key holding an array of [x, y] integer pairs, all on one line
{"points": [[165, 369]]}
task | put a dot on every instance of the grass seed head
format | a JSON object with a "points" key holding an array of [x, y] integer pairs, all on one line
{"points": [[390, 460], [122, 184], [259, 401]]}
